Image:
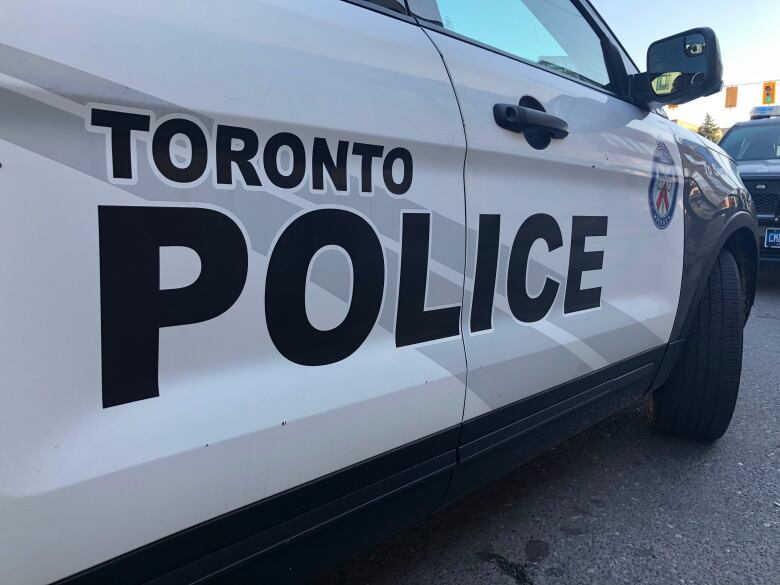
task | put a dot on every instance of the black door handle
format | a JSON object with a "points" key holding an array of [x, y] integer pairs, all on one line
{"points": [[519, 119]]}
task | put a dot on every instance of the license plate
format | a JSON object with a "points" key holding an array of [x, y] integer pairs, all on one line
{"points": [[772, 239]]}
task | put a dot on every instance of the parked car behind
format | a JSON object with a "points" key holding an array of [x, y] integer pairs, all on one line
{"points": [[755, 145]]}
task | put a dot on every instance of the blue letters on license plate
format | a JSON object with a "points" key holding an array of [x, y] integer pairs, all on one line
{"points": [[772, 238]]}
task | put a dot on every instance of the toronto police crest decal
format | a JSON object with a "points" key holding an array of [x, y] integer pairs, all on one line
{"points": [[664, 187]]}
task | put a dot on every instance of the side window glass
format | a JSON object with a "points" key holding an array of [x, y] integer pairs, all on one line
{"points": [[550, 33]]}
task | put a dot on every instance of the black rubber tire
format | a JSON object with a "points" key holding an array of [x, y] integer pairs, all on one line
{"points": [[699, 398]]}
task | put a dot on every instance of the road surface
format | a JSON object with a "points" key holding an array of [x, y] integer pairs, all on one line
{"points": [[619, 503]]}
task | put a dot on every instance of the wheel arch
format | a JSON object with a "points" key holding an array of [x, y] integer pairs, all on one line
{"points": [[742, 245], [738, 234]]}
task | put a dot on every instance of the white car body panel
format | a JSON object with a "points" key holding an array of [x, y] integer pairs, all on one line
{"points": [[235, 422], [603, 168]]}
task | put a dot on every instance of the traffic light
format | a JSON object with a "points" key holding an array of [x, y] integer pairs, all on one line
{"points": [[731, 96], [770, 91]]}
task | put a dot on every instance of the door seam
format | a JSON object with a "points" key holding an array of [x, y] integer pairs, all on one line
{"points": [[465, 242]]}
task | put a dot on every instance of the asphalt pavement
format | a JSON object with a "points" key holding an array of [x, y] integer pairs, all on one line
{"points": [[619, 503]]}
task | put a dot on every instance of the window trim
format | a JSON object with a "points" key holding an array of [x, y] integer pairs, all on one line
{"points": [[601, 33], [374, 7], [599, 22]]}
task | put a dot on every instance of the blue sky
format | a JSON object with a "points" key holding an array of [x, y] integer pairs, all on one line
{"points": [[748, 30]]}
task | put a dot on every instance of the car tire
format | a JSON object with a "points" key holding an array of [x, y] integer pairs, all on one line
{"points": [[698, 399]]}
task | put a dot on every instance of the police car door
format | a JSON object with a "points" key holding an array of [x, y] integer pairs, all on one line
{"points": [[219, 208], [575, 241]]}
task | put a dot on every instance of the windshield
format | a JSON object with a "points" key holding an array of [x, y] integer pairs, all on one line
{"points": [[753, 142]]}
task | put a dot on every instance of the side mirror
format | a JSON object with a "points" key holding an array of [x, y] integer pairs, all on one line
{"points": [[680, 69]]}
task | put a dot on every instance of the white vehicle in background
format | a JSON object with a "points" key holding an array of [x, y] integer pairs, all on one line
{"points": [[278, 278]]}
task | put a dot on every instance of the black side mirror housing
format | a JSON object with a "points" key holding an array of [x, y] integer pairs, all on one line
{"points": [[680, 69]]}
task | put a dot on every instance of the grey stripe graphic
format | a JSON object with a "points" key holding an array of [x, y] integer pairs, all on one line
{"points": [[75, 84]]}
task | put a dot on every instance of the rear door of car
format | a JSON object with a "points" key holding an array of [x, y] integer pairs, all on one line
{"points": [[575, 245], [181, 341]]}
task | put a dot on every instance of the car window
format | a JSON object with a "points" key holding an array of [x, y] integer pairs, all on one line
{"points": [[753, 142], [551, 33]]}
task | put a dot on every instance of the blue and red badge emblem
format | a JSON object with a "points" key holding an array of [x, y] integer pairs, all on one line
{"points": [[664, 187]]}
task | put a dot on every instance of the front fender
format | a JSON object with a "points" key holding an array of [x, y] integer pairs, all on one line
{"points": [[719, 214], [717, 207]]}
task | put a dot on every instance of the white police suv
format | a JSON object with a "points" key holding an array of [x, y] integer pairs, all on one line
{"points": [[279, 277]]}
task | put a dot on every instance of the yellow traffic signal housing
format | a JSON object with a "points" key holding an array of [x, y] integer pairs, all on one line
{"points": [[731, 96], [770, 92]]}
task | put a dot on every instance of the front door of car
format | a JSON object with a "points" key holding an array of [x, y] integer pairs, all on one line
{"points": [[300, 167], [575, 243]]}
